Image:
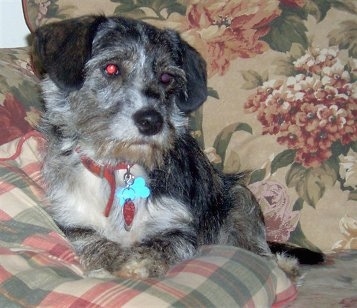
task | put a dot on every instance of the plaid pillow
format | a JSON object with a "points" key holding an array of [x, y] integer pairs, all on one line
{"points": [[39, 268]]}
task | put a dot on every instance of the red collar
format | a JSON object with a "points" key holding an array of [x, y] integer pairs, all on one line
{"points": [[106, 172]]}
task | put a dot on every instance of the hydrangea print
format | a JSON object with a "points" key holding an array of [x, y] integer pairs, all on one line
{"points": [[311, 110]]}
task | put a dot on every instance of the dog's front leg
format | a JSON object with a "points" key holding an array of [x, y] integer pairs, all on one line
{"points": [[97, 254], [154, 256], [151, 257]]}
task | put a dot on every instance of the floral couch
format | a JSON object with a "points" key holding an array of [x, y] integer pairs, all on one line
{"points": [[282, 102]]}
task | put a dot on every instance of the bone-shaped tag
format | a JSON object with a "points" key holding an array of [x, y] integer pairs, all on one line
{"points": [[137, 189]]}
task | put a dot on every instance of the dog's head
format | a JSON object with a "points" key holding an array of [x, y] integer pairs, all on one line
{"points": [[118, 88]]}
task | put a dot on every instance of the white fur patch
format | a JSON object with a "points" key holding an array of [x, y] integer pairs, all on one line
{"points": [[83, 206], [86, 204]]}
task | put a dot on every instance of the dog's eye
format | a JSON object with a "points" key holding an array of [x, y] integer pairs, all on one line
{"points": [[112, 69], [166, 78]]}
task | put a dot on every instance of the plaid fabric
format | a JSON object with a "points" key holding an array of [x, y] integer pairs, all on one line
{"points": [[38, 267]]}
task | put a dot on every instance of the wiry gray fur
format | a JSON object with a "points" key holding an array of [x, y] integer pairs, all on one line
{"points": [[138, 117]]}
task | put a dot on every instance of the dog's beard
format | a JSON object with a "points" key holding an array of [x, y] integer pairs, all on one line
{"points": [[147, 154], [109, 143]]}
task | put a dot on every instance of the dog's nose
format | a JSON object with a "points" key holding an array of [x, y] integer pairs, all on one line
{"points": [[148, 121]]}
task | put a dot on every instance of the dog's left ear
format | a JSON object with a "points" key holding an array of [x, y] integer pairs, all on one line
{"points": [[196, 75], [61, 49]]}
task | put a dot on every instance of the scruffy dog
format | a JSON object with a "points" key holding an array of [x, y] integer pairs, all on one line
{"points": [[127, 182]]}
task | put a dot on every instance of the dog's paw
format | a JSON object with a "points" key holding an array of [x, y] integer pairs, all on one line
{"points": [[134, 269], [99, 273], [141, 269]]}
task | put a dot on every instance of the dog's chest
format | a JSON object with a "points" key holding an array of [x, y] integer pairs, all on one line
{"points": [[85, 207], [81, 201], [89, 199]]}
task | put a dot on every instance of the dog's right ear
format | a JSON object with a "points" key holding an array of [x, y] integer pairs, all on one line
{"points": [[61, 49]]}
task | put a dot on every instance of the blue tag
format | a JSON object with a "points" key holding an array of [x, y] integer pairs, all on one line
{"points": [[137, 189]]}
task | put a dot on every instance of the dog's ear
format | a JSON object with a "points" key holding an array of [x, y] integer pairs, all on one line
{"points": [[196, 75], [61, 49]]}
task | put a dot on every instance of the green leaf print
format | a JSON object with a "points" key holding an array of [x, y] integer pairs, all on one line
{"points": [[161, 9], [253, 79], [311, 183], [224, 137], [298, 238], [287, 29], [283, 159], [345, 37]]}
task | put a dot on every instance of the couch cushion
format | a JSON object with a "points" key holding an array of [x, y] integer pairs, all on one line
{"points": [[330, 285], [283, 102]]}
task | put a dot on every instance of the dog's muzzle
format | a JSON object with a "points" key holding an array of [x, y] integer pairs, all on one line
{"points": [[148, 121]]}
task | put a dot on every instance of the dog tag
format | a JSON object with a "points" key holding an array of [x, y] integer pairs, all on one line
{"points": [[128, 214], [136, 189]]}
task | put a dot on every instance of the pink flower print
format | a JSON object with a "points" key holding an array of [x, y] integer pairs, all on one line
{"points": [[279, 217]]}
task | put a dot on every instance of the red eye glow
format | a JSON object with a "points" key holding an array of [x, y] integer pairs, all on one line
{"points": [[112, 69], [166, 78]]}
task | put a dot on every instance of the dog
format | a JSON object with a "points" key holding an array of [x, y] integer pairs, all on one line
{"points": [[127, 183]]}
